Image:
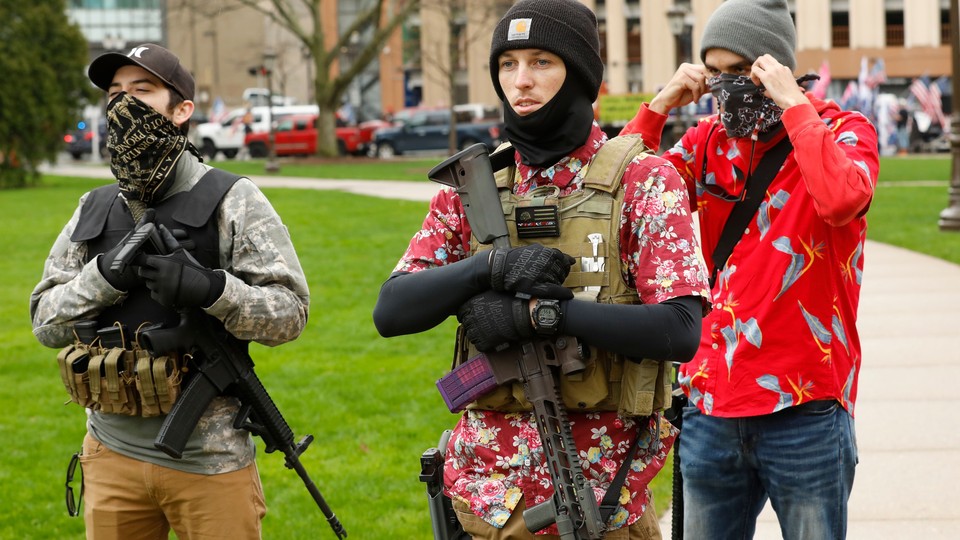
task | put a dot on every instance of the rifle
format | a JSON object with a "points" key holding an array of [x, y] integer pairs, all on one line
{"points": [[573, 506], [675, 416], [446, 526], [225, 366]]}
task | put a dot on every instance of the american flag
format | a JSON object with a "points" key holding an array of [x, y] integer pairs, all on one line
{"points": [[819, 88], [848, 101], [929, 98], [219, 111], [936, 95], [877, 75]]}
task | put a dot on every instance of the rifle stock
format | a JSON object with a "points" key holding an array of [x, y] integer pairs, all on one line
{"points": [[467, 172], [573, 508]]}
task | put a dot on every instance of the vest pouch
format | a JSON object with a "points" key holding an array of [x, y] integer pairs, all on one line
{"points": [[166, 382], [585, 390], [145, 387], [158, 383], [504, 398], [645, 388], [72, 361], [117, 386]]}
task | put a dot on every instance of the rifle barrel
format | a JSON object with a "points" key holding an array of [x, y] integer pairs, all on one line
{"points": [[293, 462]]}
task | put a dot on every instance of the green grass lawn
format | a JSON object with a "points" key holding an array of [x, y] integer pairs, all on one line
{"points": [[411, 169], [370, 402]]}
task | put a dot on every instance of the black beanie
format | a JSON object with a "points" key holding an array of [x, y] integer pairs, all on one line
{"points": [[752, 28], [566, 28]]}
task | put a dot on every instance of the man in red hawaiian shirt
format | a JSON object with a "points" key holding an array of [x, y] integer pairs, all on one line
{"points": [[774, 383], [546, 68]]}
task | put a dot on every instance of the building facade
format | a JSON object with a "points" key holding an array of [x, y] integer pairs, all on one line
{"points": [[641, 49]]}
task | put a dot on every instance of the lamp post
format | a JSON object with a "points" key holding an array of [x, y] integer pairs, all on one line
{"points": [[269, 62], [950, 216], [677, 20]]}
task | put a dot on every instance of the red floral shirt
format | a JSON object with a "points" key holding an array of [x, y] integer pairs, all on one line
{"points": [[783, 331], [495, 458]]}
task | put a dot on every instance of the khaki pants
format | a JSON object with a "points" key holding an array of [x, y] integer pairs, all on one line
{"points": [[127, 499], [646, 528]]}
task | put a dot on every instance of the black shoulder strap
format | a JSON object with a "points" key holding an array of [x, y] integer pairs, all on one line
{"points": [[93, 215], [205, 197], [744, 210]]}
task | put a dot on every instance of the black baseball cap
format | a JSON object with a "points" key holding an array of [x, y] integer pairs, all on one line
{"points": [[151, 57]]}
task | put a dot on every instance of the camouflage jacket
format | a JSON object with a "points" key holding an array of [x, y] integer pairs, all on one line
{"points": [[265, 299]]}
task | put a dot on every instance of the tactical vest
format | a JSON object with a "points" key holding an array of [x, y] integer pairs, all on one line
{"points": [[589, 225], [109, 371], [105, 220]]}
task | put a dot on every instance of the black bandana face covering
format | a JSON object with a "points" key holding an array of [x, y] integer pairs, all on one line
{"points": [[144, 147], [551, 132], [743, 105]]}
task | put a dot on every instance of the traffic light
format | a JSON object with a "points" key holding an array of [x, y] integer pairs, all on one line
{"points": [[259, 70]]}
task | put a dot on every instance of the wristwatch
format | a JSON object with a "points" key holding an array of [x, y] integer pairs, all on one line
{"points": [[546, 317]]}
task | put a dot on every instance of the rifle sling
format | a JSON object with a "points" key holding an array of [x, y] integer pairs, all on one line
{"points": [[610, 499], [744, 210]]}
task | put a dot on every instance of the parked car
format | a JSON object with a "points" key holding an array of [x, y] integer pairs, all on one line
{"points": [[478, 112], [228, 135], [296, 135], [428, 130], [79, 142]]}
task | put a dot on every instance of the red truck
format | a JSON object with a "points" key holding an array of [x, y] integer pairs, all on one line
{"points": [[296, 135]]}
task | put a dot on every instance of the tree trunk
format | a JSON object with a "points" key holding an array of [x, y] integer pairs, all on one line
{"points": [[327, 131]]}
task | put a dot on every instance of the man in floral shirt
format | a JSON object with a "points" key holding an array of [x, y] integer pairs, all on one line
{"points": [[546, 68], [774, 383]]}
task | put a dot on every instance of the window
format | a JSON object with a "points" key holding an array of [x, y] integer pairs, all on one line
{"points": [[894, 26], [945, 26], [840, 24]]}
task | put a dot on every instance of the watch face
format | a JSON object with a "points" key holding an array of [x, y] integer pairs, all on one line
{"points": [[548, 315]]}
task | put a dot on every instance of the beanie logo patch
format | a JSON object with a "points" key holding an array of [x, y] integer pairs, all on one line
{"points": [[519, 29]]}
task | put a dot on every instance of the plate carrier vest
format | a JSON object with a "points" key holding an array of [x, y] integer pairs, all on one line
{"points": [[118, 376], [610, 382]]}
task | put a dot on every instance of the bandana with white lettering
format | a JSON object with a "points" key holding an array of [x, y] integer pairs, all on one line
{"points": [[145, 147]]}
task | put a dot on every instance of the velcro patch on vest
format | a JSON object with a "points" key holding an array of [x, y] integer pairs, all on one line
{"points": [[538, 221]]}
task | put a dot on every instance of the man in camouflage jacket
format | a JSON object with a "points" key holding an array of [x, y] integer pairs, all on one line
{"points": [[239, 267]]}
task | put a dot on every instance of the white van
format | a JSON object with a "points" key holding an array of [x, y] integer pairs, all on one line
{"points": [[227, 135]]}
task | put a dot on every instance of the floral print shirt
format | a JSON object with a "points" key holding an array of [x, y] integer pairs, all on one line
{"points": [[495, 458], [784, 331]]}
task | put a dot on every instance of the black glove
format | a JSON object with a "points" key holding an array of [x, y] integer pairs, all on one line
{"points": [[535, 270], [177, 280], [128, 278], [493, 320], [122, 281]]}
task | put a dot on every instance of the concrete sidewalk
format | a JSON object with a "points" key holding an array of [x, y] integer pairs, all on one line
{"points": [[906, 417], [389, 189]]}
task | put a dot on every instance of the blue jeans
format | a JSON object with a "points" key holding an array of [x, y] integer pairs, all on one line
{"points": [[802, 458]]}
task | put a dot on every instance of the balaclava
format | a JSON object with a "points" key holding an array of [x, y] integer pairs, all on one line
{"points": [[568, 29]]}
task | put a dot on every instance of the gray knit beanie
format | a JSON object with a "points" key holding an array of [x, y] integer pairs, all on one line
{"points": [[752, 28], [566, 28]]}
